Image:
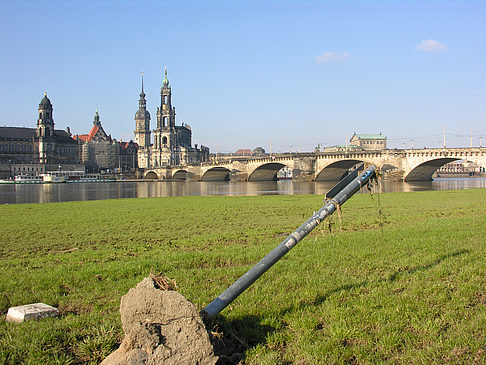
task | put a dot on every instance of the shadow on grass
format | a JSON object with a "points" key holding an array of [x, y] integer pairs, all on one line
{"points": [[231, 339], [428, 266], [321, 298]]}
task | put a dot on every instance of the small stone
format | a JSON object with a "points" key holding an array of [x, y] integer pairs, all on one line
{"points": [[31, 311]]}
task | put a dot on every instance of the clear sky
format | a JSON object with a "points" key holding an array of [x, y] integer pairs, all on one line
{"points": [[285, 75]]}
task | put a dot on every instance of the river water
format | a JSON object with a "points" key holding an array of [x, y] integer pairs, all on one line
{"points": [[46, 193]]}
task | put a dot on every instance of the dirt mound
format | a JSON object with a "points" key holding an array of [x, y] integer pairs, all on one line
{"points": [[161, 327]]}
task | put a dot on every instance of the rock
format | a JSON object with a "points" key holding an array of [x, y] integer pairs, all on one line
{"points": [[31, 311], [161, 327]]}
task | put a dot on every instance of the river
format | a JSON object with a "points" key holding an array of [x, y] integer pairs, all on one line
{"points": [[46, 193]]}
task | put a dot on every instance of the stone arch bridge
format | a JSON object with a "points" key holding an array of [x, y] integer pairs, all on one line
{"points": [[407, 165]]}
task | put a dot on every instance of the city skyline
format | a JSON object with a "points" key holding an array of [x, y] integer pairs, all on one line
{"points": [[281, 75]]}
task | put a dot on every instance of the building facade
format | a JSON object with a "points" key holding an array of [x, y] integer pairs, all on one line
{"points": [[27, 149], [53, 146], [172, 143], [97, 149], [44, 148], [369, 141], [461, 167]]}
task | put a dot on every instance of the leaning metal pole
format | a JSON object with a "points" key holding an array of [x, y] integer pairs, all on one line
{"points": [[240, 285]]}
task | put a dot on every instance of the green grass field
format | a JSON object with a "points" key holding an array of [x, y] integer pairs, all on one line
{"points": [[398, 278]]}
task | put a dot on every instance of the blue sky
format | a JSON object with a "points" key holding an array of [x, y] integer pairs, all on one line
{"points": [[285, 74]]}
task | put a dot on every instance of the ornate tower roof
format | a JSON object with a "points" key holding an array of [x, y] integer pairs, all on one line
{"points": [[45, 102], [142, 94], [165, 83], [142, 112], [96, 121]]}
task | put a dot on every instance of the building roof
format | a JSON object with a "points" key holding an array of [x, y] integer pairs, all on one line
{"points": [[29, 134], [81, 137], [142, 114], [92, 133], [343, 146], [45, 102], [125, 145], [369, 136], [63, 137], [243, 151], [17, 133]]}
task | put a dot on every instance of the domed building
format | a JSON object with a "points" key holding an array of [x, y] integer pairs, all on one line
{"points": [[172, 143], [53, 146], [28, 150]]}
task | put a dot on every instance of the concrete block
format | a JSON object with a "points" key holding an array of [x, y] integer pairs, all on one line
{"points": [[31, 311]]}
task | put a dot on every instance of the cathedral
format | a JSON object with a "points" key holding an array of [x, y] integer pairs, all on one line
{"points": [[172, 143]]}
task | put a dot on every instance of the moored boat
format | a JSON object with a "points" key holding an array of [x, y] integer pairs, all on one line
{"points": [[28, 179]]}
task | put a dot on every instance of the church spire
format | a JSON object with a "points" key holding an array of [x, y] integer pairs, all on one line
{"points": [[96, 121], [142, 103], [142, 83], [166, 81]]}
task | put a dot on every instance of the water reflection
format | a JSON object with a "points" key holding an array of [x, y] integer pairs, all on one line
{"points": [[44, 193]]}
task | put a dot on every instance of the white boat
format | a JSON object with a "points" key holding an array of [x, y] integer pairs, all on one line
{"points": [[73, 177], [88, 178], [28, 179], [284, 174], [56, 177], [53, 177]]}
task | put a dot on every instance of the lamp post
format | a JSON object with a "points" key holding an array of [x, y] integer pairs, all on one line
{"points": [[337, 196]]}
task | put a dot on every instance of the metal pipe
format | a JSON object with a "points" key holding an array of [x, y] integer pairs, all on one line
{"points": [[240, 285]]}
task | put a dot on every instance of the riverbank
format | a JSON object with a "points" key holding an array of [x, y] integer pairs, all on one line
{"points": [[398, 277]]}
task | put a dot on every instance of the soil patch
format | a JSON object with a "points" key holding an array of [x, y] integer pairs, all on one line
{"points": [[161, 327]]}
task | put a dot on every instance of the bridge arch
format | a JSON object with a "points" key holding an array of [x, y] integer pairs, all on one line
{"points": [[151, 175], [336, 170], [180, 175], [266, 172], [216, 174], [425, 170]]}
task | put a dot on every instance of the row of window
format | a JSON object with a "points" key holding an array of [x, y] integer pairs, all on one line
{"points": [[27, 169], [28, 148], [373, 142], [15, 148]]}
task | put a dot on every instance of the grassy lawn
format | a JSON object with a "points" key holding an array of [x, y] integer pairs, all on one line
{"points": [[398, 278]]}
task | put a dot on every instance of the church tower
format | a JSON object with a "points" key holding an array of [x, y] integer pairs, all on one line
{"points": [[172, 143], [45, 130], [142, 122], [166, 112], [165, 118]]}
